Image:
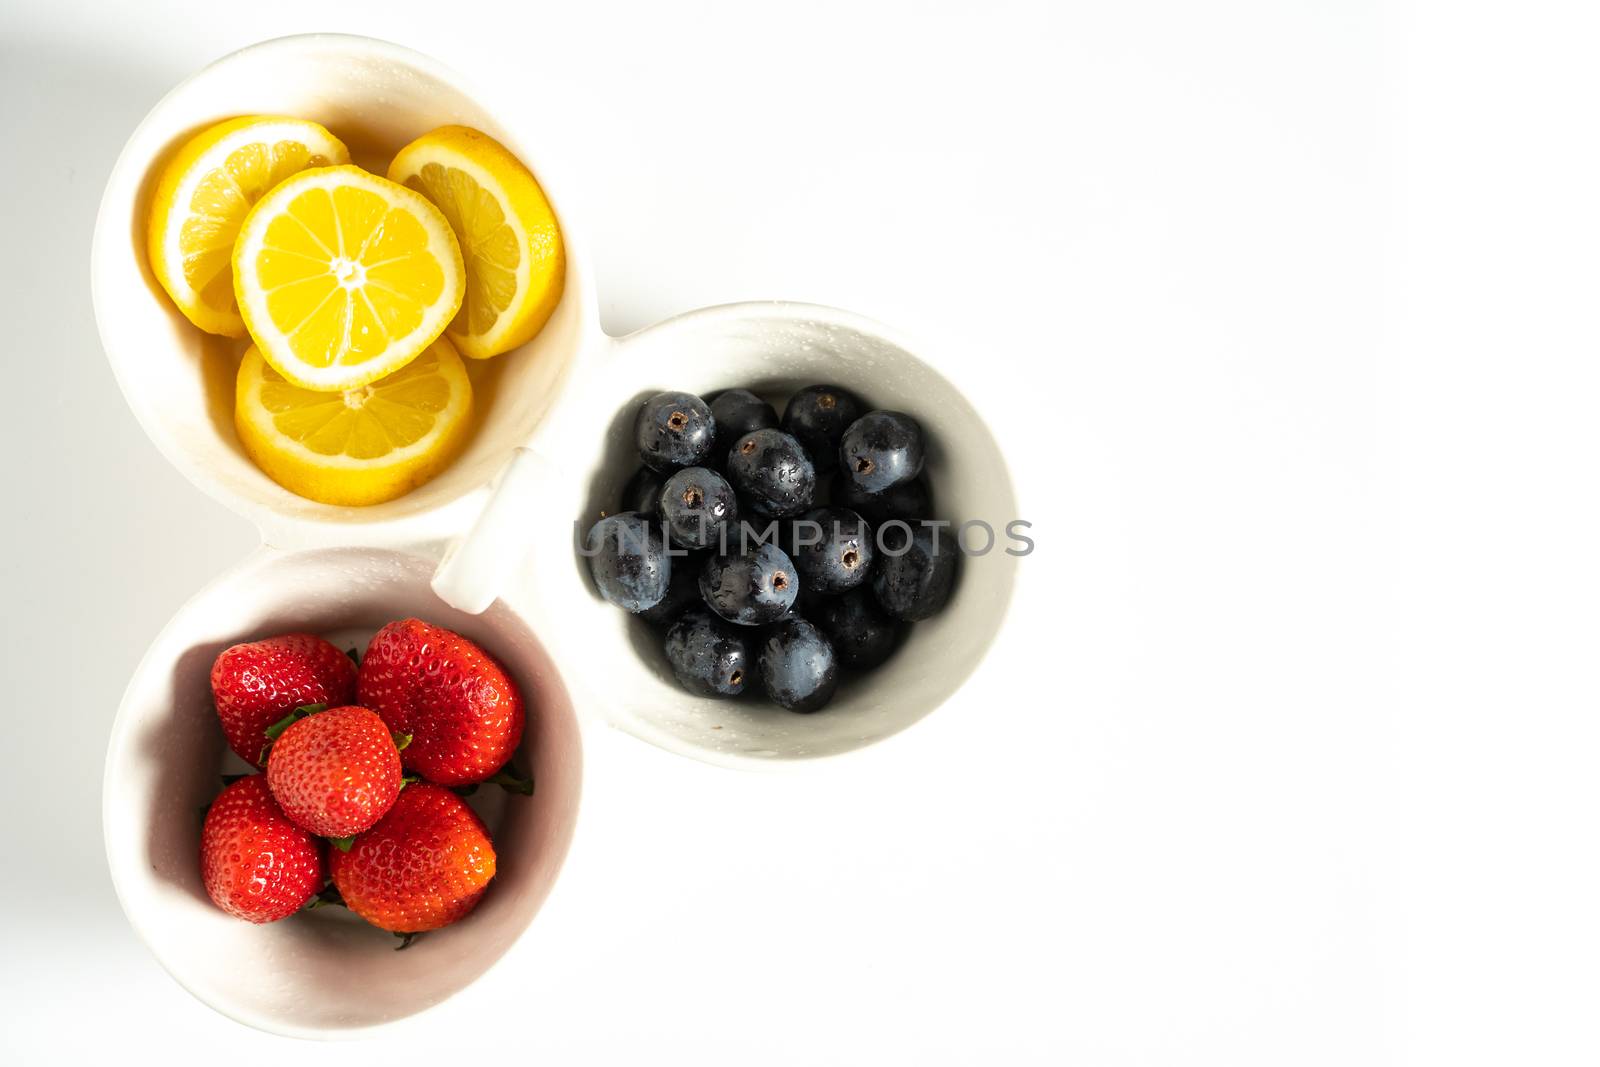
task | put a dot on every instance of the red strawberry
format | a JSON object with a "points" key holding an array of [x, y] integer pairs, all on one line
{"points": [[256, 864], [461, 709], [423, 866], [336, 772], [257, 683]]}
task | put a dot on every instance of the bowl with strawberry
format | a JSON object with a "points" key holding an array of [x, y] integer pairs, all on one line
{"points": [[319, 764]]}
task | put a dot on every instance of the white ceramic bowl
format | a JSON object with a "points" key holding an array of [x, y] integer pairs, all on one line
{"points": [[326, 973], [523, 547], [179, 381]]}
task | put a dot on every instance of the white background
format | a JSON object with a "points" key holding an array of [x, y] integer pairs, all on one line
{"points": [[1286, 315]]}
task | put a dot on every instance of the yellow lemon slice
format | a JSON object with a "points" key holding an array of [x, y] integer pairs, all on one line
{"points": [[343, 277], [204, 194], [510, 241], [364, 446]]}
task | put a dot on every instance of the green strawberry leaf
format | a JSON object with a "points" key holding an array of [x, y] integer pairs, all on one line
{"points": [[401, 741], [329, 897], [405, 940], [276, 729], [513, 781], [409, 779], [342, 843]]}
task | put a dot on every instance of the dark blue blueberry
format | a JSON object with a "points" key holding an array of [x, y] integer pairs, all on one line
{"points": [[683, 590], [817, 417], [674, 430], [805, 602], [832, 547], [643, 492], [628, 560], [738, 412], [750, 588], [699, 508], [772, 473], [916, 570], [798, 666], [861, 634], [708, 656], [907, 500], [881, 449]]}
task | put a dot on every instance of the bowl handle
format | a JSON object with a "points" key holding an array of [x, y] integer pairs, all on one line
{"points": [[475, 569]]}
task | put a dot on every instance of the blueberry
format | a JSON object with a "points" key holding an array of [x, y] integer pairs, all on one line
{"points": [[628, 560], [708, 656], [832, 549], [861, 634], [750, 588], [881, 449], [683, 590], [798, 666], [907, 500], [699, 507], [772, 472], [817, 417], [806, 602], [916, 570], [643, 492], [674, 430], [738, 412]]}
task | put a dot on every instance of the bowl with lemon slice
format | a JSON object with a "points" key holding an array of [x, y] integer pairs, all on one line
{"points": [[336, 289]]}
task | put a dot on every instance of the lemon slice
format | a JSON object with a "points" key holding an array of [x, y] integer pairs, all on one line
{"points": [[343, 277], [516, 265], [364, 446], [202, 197]]}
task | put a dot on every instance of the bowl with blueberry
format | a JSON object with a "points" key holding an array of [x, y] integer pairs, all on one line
{"points": [[763, 532]]}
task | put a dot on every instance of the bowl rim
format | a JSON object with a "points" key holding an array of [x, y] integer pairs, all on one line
{"points": [[439, 519], [262, 556]]}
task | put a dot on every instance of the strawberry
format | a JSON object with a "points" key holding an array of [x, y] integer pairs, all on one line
{"points": [[460, 707], [335, 772], [424, 865], [256, 864], [257, 683]]}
